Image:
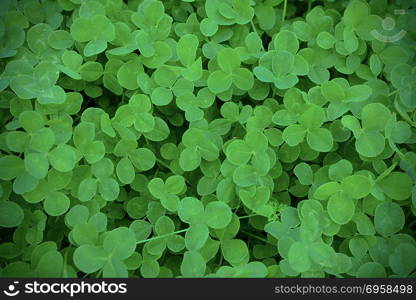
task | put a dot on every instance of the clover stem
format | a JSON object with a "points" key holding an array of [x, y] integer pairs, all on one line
{"points": [[386, 172], [99, 273], [255, 30], [392, 93], [403, 114], [394, 147], [166, 166], [161, 236], [257, 237], [238, 206], [221, 258], [284, 12], [248, 216], [309, 5]]}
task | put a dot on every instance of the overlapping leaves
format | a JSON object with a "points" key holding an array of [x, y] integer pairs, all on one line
{"points": [[207, 139]]}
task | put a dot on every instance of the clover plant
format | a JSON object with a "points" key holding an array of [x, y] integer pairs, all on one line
{"points": [[217, 138]]}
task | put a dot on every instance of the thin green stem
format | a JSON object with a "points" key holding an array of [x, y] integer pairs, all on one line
{"points": [[169, 168], [255, 30], [99, 273], [309, 5], [7, 152], [161, 236], [238, 206], [403, 114], [395, 148], [284, 12], [164, 164], [257, 237], [220, 262], [386, 172], [392, 93], [248, 216]]}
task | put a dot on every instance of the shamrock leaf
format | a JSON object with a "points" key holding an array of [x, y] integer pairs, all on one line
{"points": [[230, 73]]}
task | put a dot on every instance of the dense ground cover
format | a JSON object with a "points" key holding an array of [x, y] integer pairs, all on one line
{"points": [[233, 138]]}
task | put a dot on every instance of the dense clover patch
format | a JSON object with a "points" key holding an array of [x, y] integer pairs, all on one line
{"points": [[235, 138]]}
